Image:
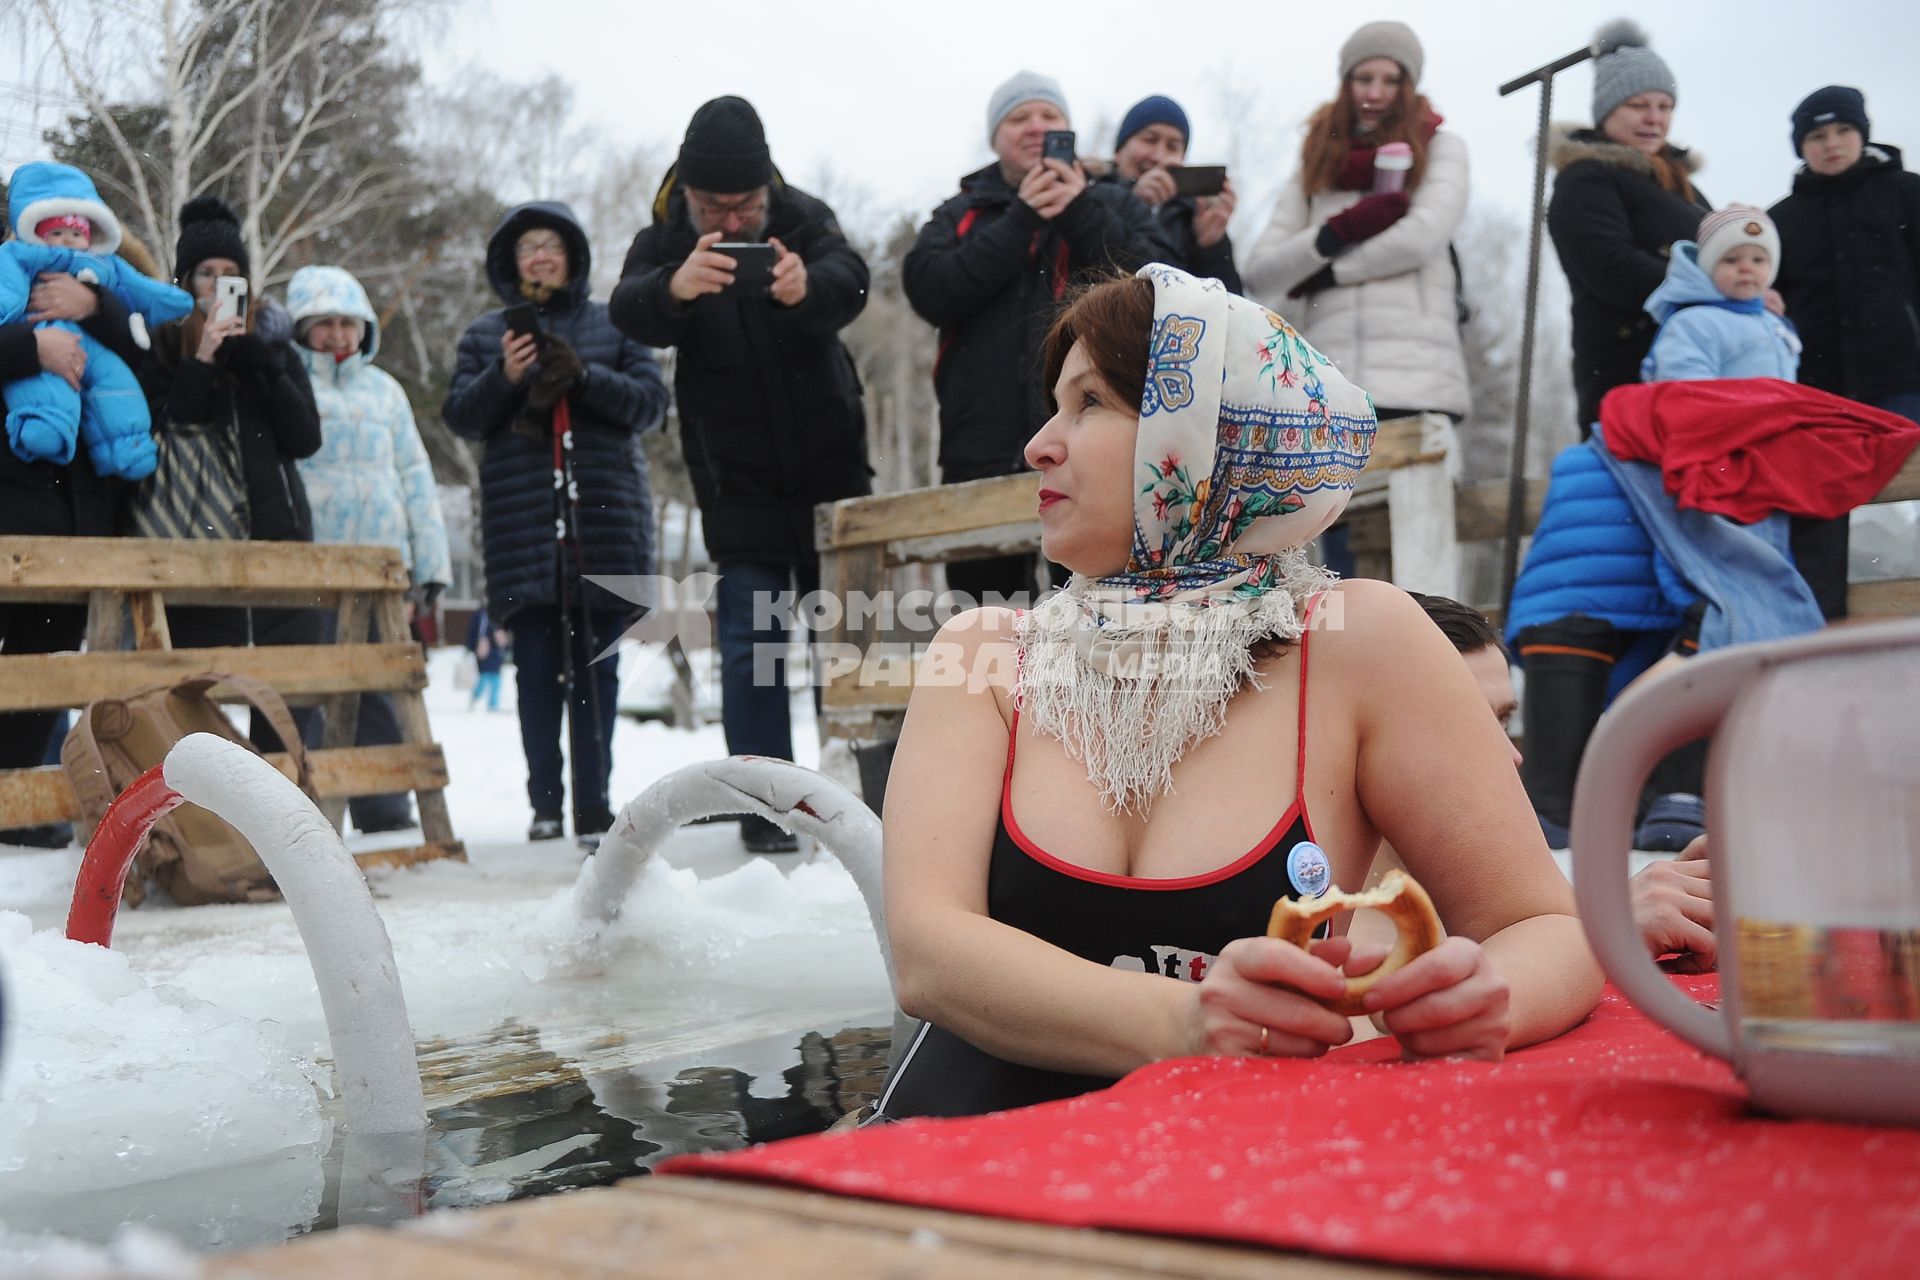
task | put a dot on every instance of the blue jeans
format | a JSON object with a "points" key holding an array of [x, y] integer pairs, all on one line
{"points": [[486, 685], [539, 676], [756, 605]]}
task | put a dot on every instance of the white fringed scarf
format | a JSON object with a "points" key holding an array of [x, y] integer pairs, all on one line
{"points": [[1248, 447]]}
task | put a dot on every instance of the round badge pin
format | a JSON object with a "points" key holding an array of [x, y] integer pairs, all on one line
{"points": [[1309, 870]]}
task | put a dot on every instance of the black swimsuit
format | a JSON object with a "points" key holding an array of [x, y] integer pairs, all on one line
{"points": [[1175, 927]]}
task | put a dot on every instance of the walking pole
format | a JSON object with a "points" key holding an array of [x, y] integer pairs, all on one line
{"points": [[569, 486], [1606, 40], [564, 586]]}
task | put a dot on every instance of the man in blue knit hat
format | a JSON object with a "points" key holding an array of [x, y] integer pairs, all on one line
{"points": [[1152, 142]]}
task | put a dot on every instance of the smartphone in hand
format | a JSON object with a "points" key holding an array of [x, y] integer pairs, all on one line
{"points": [[229, 298], [1198, 179], [1058, 146], [524, 319], [752, 267]]}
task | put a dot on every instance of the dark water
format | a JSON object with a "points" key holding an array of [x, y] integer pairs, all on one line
{"points": [[509, 1119], [555, 1130]]}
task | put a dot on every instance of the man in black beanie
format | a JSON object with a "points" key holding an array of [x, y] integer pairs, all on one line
{"points": [[770, 413]]}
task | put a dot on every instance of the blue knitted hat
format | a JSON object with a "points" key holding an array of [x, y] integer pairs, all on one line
{"points": [[1159, 109]]}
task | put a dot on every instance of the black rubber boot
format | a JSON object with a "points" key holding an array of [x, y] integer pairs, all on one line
{"points": [[1568, 663]]}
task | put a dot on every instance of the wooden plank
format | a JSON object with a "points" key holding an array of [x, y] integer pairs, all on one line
{"points": [[1480, 510], [29, 797], [106, 620], [1403, 442], [68, 568], [413, 855], [1895, 598], [968, 544], [368, 1254], [340, 714], [410, 710], [51, 681], [864, 690], [980, 1242], [1905, 485], [922, 513], [150, 630]]}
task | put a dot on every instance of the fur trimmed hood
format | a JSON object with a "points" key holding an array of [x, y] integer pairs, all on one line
{"points": [[1570, 143], [42, 189]]}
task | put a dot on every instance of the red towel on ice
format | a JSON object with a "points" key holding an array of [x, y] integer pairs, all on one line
{"points": [[1614, 1151], [1747, 447]]}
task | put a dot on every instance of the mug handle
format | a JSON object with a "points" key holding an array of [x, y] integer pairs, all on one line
{"points": [[1640, 728]]}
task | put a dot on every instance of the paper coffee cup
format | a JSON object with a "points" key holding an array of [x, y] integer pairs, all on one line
{"points": [[1390, 165]]}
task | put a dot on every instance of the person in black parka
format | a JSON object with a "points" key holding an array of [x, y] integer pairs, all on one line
{"points": [[770, 404], [1850, 274], [1621, 196], [42, 498], [1850, 256], [502, 394], [989, 269]]}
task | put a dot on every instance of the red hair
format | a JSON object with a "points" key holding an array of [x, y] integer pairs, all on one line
{"points": [[1334, 130]]}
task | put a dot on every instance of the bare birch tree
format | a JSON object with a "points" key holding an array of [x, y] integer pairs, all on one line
{"points": [[234, 96]]}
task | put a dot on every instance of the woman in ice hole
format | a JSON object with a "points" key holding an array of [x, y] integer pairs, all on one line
{"points": [[1095, 803]]}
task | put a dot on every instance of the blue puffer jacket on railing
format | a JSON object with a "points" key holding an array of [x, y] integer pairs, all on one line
{"points": [[1590, 555]]}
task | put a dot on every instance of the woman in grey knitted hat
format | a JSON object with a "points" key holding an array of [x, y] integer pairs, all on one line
{"points": [[1621, 196]]}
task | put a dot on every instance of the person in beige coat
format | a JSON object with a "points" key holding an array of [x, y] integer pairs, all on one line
{"points": [[1361, 268]]}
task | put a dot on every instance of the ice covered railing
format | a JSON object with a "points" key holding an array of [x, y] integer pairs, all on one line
{"points": [[346, 943], [796, 798]]}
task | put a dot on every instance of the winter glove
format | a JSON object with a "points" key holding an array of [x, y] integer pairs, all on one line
{"points": [[558, 372], [1368, 218], [1321, 279], [246, 352], [427, 594]]}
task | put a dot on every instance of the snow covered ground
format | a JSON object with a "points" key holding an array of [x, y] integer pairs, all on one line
{"points": [[193, 1055]]}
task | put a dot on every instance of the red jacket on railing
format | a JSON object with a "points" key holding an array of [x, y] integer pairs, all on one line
{"points": [[1747, 447]]}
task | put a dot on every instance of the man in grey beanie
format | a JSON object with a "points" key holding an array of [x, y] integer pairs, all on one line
{"points": [[989, 268]]}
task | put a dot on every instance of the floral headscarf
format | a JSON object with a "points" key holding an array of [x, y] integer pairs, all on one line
{"points": [[1248, 447]]}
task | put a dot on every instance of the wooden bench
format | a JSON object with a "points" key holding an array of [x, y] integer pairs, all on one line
{"points": [[1408, 520], [132, 581]]}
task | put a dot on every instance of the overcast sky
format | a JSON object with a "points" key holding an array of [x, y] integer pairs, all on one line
{"points": [[891, 96]]}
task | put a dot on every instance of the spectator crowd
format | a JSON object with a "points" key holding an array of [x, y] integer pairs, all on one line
{"points": [[207, 408]]}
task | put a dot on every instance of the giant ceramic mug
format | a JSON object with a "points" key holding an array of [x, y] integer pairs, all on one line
{"points": [[1813, 802]]}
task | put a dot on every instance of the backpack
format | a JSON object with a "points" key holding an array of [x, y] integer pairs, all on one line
{"points": [[193, 855]]}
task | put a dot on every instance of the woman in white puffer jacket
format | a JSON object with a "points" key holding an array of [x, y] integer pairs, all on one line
{"points": [[371, 481], [1368, 278]]}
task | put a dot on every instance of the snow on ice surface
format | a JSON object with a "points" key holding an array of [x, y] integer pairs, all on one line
{"points": [[194, 1042]]}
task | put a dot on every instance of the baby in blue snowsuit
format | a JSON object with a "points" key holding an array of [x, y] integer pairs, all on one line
{"points": [[60, 225], [1714, 321]]}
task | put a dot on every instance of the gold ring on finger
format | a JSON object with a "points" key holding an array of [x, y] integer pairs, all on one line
{"points": [[1263, 1042]]}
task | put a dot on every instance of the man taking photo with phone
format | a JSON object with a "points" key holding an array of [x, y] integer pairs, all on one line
{"points": [[1149, 153], [752, 281], [988, 269]]}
